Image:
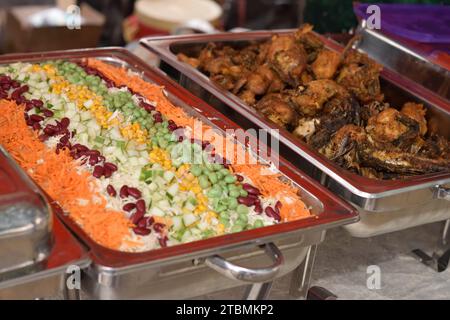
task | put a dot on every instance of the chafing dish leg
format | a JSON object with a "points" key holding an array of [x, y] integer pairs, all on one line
{"points": [[440, 258], [320, 293], [258, 291], [301, 276]]}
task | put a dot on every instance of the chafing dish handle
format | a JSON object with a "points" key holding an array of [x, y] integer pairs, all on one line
{"points": [[441, 192], [236, 272]]}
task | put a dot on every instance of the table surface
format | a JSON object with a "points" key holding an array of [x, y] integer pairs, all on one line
{"points": [[342, 261]]}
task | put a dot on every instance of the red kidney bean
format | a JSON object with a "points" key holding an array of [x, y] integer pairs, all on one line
{"points": [[101, 158], [15, 84], [140, 205], [163, 242], [258, 208], [93, 160], [37, 103], [111, 191], [129, 206], [278, 206], [98, 172], [137, 216], [36, 126], [123, 192], [150, 221], [247, 201], [239, 178], [180, 139], [272, 213], [142, 231], [48, 113], [4, 78], [65, 122], [4, 95], [49, 131], [135, 193], [28, 106], [80, 147], [26, 116], [92, 153], [110, 166], [148, 107], [64, 139], [29, 122], [20, 100], [43, 137], [250, 189], [36, 118], [142, 223], [107, 173], [158, 227], [6, 86]]}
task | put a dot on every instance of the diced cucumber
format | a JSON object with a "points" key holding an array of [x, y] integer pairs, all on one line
{"points": [[189, 219], [173, 189], [177, 223], [155, 211]]}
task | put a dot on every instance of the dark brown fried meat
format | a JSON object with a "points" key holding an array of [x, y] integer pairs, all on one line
{"points": [[277, 110]]}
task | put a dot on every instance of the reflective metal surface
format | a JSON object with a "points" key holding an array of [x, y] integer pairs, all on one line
{"points": [[235, 272], [367, 194], [25, 221], [397, 56]]}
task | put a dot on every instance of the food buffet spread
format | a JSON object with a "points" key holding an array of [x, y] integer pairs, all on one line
{"points": [[112, 149]]}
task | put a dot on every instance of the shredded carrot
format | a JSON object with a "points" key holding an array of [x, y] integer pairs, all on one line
{"points": [[269, 185], [60, 177]]}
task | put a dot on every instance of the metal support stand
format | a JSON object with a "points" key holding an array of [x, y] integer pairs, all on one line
{"points": [[320, 293], [301, 276], [439, 260], [258, 291]]}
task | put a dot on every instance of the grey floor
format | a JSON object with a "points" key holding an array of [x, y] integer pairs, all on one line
{"points": [[342, 261]]}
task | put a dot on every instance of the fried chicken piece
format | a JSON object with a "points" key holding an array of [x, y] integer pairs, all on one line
{"points": [[306, 128], [391, 127], [194, 62], [344, 140], [310, 42], [372, 109], [360, 75], [279, 43], [310, 101], [417, 112], [326, 64], [277, 110]]}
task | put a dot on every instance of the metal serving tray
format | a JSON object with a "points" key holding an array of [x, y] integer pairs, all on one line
{"points": [[397, 56], [187, 270], [25, 221], [38, 247], [368, 195]]}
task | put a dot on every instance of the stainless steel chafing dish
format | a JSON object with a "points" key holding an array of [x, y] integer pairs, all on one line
{"points": [[35, 248], [405, 61], [397, 204], [25, 221], [206, 266]]}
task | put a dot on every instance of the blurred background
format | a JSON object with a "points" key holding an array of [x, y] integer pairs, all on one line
{"points": [[41, 24]]}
